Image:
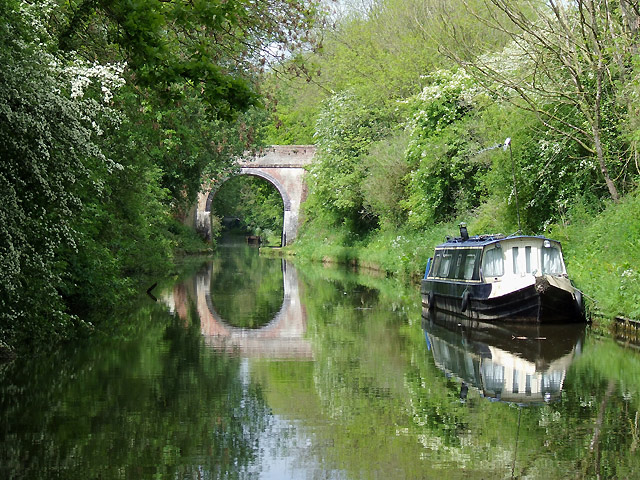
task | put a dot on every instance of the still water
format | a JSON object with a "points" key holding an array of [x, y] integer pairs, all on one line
{"points": [[250, 367]]}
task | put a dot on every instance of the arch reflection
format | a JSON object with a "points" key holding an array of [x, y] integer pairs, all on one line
{"points": [[246, 289], [518, 363], [282, 337]]}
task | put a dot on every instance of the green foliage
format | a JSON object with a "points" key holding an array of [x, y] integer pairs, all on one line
{"points": [[380, 51], [256, 202], [181, 140], [602, 254], [548, 184], [383, 187], [294, 107], [208, 48], [404, 252], [346, 129], [444, 180]]}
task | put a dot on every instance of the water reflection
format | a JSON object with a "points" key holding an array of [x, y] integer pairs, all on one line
{"points": [[510, 362], [281, 333], [204, 394], [247, 289]]}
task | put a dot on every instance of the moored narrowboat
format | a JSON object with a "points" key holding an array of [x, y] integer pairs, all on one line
{"points": [[495, 277]]}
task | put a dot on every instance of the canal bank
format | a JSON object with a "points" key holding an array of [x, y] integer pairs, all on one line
{"points": [[601, 253]]}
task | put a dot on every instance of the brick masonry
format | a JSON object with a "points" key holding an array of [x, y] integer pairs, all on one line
{"points": [[281, 165]]}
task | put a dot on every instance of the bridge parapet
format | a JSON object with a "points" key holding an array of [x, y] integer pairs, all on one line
{"points": [[280, 156]]}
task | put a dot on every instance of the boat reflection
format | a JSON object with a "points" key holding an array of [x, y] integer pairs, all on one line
{"points": [[523, 364]]}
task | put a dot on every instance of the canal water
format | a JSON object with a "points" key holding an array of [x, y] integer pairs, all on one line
{"points": [[251, 367]]}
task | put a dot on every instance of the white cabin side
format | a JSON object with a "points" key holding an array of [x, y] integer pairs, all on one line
{"points": [[521, 257], [514, 263]]}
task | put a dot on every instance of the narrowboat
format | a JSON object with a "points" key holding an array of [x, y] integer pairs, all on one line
{"points": [[516, 278]]}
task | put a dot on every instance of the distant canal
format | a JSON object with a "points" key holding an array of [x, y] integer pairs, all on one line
{"points": [[249, 367]]}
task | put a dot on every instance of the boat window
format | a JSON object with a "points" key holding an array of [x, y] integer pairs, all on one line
{"points": [[433, 272], [516, 267], [445, 265], [493, 263], [457, 272], [469, 264], [527, 258], [551, 261]]}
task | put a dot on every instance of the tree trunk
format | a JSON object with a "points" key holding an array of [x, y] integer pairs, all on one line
{"points": [[613, 191], [597, 122]]}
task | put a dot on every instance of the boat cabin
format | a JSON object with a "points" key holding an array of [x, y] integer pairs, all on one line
{"points": [[487, 259], [493, 277]]}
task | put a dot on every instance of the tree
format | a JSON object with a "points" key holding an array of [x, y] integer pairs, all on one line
{"points": [[444, 181], [567, 63], [345, 131], [191, 72], [211, 47]]}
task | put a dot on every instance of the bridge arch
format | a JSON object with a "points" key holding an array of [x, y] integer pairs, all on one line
{"points": [[281, 165], [253, 172]]}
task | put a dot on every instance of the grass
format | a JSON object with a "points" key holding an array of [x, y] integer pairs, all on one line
{"points": [[602, 251], [603, 256]]}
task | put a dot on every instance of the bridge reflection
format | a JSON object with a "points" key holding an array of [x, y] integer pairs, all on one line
{"points": [[281, 338]]}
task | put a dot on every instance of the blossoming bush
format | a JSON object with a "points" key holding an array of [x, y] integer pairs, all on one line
{"points": [[51, 163], [444, 179], [346, 129]]}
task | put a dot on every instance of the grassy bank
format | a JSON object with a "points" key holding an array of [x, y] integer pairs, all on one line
{"points": [[603, 256], [602, 251]]}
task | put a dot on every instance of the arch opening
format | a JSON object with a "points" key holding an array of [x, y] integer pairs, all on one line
{"points": [[250, 205]]}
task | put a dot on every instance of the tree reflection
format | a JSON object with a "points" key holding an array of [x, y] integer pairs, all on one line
{"points": [[156, 406], [247, 289]]}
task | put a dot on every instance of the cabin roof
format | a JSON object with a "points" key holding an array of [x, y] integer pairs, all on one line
{"points": [[483, 240]]}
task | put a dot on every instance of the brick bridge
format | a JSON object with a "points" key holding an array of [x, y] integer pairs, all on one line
{"points": [[281, 165]]}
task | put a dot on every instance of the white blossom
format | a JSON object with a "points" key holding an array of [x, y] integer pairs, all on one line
{"points": [[109, 77]]}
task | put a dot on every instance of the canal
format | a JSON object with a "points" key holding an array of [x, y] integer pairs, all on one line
{"points": [[252, 367]]}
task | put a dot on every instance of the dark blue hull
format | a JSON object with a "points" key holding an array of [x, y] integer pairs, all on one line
{"points": [[539, 303]]}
